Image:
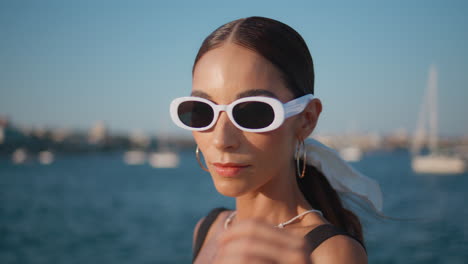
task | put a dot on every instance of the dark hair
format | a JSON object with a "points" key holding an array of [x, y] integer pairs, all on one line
{"points": [[287, 51]]}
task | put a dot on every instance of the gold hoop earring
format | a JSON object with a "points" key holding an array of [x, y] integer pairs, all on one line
{"points": [[197, 154], [301, 146]]}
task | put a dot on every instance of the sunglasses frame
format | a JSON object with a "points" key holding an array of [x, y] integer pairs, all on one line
{"points": [[281, 111]]}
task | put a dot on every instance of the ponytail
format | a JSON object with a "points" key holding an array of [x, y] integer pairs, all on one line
{"points": [[321, 196]]}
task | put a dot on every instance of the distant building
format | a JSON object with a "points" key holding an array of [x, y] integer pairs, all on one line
{"points": [[98, 133], [59, 135], [139, 139], [3, 121], [2, 135], [3, 125]]}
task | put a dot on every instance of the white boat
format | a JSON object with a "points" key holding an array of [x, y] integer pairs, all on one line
{"points": [[438, 164], [134, 157], [164, 156], [434, 162], [351, 154], [164, 159], [45, 157], [19, 156]]}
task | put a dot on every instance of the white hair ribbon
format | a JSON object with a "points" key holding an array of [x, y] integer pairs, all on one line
{"points": [[342, 177]]}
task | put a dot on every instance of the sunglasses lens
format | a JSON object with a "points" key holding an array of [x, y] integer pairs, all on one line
{"points": [[195, 114], [253, 115]]}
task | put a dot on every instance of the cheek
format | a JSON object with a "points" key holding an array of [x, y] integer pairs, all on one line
{"points": [[269, 151], [204, 141], [274, 148]]}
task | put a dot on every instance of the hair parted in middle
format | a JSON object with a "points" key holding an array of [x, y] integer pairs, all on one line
{"points": [[277, 42]]}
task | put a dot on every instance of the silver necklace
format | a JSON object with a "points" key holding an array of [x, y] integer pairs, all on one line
{"points": [[280, 225]]}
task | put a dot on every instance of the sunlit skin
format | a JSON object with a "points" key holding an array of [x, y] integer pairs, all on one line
{"points": [[258, 169]]}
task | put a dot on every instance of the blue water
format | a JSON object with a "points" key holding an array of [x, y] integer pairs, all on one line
{"points": [[96, 209]]}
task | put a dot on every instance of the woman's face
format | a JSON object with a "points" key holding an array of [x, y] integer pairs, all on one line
{"points": [[241, 162]]}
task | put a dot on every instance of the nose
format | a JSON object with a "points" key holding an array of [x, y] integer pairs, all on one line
{"points": [[225, 134]]}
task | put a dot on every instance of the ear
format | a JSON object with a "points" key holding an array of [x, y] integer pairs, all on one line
{"points": [[308, 119]]}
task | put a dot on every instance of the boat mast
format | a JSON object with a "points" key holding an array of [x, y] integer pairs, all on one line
{"points": [[433, 108], [424, 133]]}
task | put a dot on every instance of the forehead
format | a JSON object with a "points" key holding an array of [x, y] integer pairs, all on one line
{"points": [[230, 71]]}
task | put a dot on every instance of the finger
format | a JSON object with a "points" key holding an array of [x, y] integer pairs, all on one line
{"points": [[263, 231]]}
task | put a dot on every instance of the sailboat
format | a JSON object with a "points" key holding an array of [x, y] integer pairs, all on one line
{"points": [[164, 159], [164, 156], [434, 162], [350, 150]]}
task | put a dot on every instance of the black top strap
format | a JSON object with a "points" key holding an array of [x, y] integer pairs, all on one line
{"points": [[321, 233], [314, 238], [203, 230]]}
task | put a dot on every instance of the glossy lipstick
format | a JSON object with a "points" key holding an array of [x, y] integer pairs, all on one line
{"points": [[229, 169]]}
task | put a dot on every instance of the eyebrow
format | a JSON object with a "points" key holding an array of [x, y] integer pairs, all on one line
{"points": [[257, 92], [201, 94], [253, 92]]}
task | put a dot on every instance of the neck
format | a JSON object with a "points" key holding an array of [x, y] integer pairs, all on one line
{"points": [[277, 201]]}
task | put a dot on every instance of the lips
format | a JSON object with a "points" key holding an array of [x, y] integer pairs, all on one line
{"points": [[229, 169]]}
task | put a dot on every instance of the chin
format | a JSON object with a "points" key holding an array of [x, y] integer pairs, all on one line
{"points": [[230, 188]]}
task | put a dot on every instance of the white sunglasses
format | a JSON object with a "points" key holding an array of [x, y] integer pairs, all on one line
{"points": [[250, 114]]}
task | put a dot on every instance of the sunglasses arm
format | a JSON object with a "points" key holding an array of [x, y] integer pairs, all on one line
{"points": [[297, 105]]}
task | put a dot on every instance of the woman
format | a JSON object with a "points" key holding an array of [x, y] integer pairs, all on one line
{"points": [[251, 109]]}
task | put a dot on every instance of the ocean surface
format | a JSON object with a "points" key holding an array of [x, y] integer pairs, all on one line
{"points": [[96, 209]]}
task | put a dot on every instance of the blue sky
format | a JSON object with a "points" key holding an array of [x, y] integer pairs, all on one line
{"points": [[72, 63]]}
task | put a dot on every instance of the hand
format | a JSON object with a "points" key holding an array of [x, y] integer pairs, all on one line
{"points": [[256, 242]]}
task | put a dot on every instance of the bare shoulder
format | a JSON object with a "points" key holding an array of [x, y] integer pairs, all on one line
{"points": [[339, 249]]}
